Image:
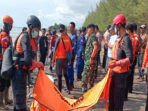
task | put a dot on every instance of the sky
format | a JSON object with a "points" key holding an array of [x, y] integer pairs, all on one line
{"points": [[48, 11]]}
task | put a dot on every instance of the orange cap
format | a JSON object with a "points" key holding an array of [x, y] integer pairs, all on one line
{"points": [[7, 19]]}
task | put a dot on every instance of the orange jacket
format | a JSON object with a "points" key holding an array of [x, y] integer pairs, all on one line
{"points": [[137, 40], [133, 40], [60, 52], [145, 56], [5, 41]]}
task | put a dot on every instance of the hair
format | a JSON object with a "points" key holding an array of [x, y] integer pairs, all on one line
{"points": [[91, 26], [73, 24], [83, 29], [130, 27], [134, 26], [62, 28], [96, 26], [108, 27], [24, 28], [43, 29]]}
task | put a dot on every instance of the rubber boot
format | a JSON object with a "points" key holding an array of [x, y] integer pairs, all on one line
{"points": [[2, 107], [1, 99], [6, 96]]}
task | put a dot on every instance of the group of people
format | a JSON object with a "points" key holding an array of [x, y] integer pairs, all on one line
{"points": [[123, 46]]}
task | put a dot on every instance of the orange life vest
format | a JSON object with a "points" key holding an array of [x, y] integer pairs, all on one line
{"points": [[116, 51]]}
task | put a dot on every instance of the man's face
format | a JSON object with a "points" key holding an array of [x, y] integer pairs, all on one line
{"points": [[112, 32], [49, 31], [43, 32], [129, 32], [90, 31], [96, 30], [142, 30], [71, 28]]}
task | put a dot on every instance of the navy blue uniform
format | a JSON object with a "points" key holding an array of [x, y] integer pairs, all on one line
{"points": [[80, 53], [70, 70]]}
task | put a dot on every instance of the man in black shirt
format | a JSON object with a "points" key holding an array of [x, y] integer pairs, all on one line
{"points": [[43, 46]]}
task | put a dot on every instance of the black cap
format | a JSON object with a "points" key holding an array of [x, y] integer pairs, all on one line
{"points": [[34, 21], [62, 28], [53, 32], [91, 26], [83, 29]]}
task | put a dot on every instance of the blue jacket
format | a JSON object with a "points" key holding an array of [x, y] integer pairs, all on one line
{"points": [[74, 38], [81, 46]]}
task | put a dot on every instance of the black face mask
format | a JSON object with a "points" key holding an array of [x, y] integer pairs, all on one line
{"points": [[7, 28]]}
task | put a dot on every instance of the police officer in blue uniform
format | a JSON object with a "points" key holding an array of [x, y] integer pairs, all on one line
{"points": [[80, 53], [73, 38]]}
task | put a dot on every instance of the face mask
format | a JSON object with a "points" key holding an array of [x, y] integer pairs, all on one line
{"points": [[34, 34], [116, 31]]}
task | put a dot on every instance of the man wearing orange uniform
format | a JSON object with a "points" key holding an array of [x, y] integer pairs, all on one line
{"points": [[122, 54], [5, 42], [145, 60], [63, 45]]}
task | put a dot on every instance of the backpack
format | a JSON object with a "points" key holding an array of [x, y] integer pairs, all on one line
{"points": [[8, 62]]}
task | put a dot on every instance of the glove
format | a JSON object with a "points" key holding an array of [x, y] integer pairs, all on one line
{"points": [[37, 65], [122, 63], [91, 61]]}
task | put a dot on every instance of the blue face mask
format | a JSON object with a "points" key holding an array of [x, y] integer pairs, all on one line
{"points": [[34, 34], [115, 29]]}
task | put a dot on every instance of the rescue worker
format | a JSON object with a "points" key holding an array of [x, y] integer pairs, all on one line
{"points": [[63, 45], [52, 47], [23, 58], [81, 54], [142, 46], [145, 60], [138, 40], [43, 46], [73, 38], [122, 55], [5, 42], [90, 57], [129, 31], [99, 37]]}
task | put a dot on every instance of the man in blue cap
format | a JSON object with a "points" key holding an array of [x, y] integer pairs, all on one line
{"points": [[81, 53], [73, 38]]}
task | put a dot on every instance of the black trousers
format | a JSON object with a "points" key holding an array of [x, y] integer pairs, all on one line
{"points": [[117, 91], [43, 57], [146, 108], [104, 57], [61, 69], [19, 89], [3, 83]]}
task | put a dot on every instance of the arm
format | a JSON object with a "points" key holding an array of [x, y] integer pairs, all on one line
{"points": [[145, 57], [94, 53]]}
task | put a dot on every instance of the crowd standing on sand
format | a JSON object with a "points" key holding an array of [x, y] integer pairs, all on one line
{"points": [[123, 46]]}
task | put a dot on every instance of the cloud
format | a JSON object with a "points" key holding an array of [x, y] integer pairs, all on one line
{"points": [[66, 11], [49, 11]]}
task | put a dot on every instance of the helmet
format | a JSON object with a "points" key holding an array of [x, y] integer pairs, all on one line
{"points": [[34, 21], [119, 19], [7, 19]]}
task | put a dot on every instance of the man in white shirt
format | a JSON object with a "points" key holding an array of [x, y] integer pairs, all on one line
{"points": [[110, 44]]}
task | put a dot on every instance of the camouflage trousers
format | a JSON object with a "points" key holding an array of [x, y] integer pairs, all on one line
{"points": [[88, 77]]}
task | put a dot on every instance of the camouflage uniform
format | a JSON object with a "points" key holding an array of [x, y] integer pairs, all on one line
{"points": [[89, 69]]}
